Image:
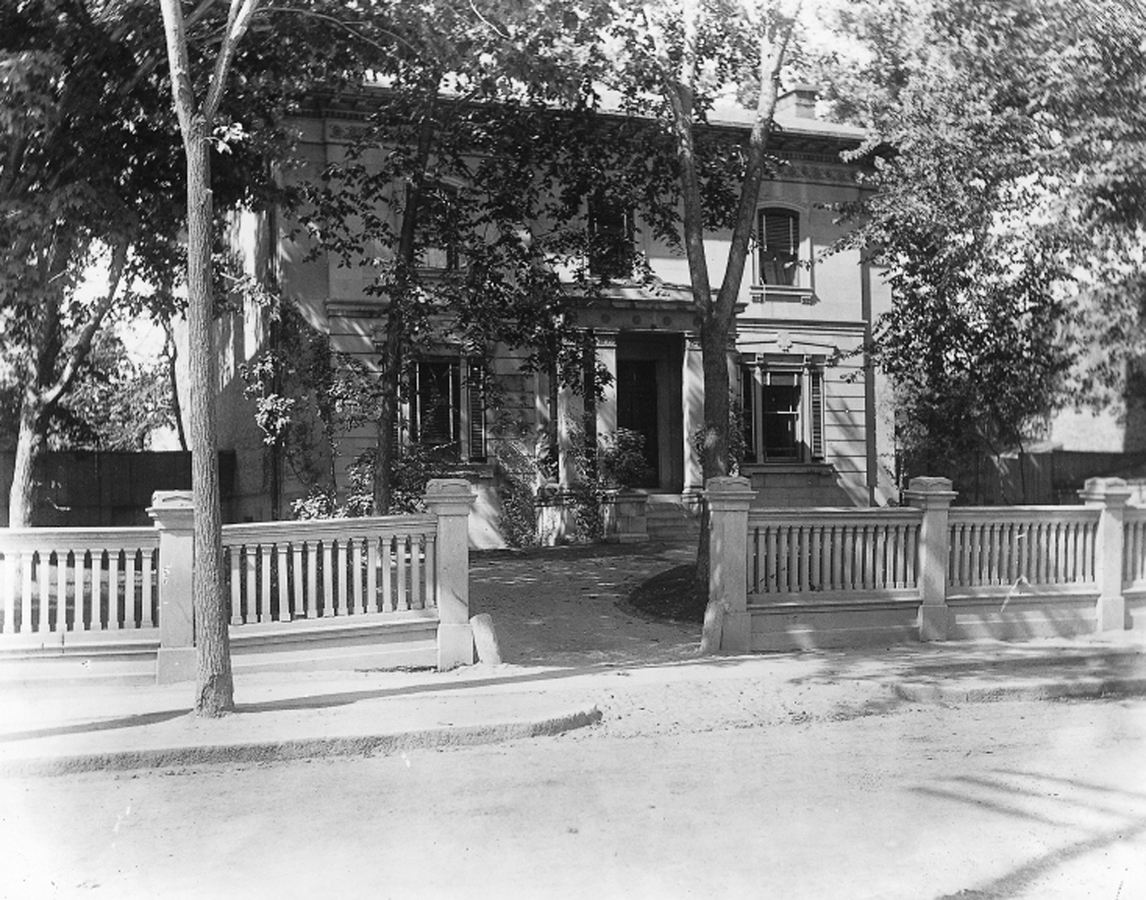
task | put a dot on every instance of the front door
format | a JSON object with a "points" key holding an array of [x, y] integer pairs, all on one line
{"points": [[637, 408]]}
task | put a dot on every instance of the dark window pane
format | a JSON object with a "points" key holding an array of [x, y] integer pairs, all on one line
{"points": [[437, 418], [610, 239], [781, 420]]}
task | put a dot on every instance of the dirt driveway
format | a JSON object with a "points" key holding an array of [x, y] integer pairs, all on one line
{"points": [[560, 606]]}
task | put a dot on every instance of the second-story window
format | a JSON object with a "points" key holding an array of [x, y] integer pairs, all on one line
{"points": [[439, 228], [610, 238], [779, 246]]}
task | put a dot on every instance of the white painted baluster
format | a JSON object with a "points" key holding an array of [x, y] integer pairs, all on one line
{"points": [[372, 573], [8, 592], [26, 560], [356, 562], [431, 572], [299, 597], [803, 548], [343, 603], [146, 598], [129, 618], [403, 595], [282, 576], [816, 577], [113, 621], [237, 617], [312, 579], [772, 561], [266, 551], [387, 574], [251, 570], [61, 590], [328, 579], [416, 597]]}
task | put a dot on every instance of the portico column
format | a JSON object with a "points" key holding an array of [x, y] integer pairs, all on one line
{"points": [[607, 405], [570, 411], [692, 398]]}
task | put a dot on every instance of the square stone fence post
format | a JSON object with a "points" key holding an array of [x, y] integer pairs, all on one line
{"points": [[934, 496], [174, 517], [728, 501], [1110, 496], [450, 499]]}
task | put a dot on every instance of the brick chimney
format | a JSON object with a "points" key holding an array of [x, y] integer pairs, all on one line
{"points": [[798, 101]]}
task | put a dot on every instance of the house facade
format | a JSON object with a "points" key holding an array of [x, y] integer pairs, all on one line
{"points": [[815, 418]]}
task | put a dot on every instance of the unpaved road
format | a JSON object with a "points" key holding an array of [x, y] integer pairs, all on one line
{"points": [[1006, 800]]}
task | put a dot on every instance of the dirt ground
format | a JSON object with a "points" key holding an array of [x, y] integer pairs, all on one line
{"points": [[997, 801], [564, 606]]}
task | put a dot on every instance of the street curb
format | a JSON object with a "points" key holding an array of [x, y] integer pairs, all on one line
{"points": [[1080, 689], [309, 748]]}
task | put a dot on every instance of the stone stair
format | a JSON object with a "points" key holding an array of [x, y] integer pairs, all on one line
{"points": [[670, 520]]}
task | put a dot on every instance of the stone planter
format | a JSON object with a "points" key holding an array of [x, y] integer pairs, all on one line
{"points": [[624, 517]]}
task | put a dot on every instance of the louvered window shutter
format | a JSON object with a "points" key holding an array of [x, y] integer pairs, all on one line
{"points": [[748, 411], [779, 246], [477, 429], [816, 396]]}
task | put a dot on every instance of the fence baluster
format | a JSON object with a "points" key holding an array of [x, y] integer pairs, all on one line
{"points": [[282, 578]]}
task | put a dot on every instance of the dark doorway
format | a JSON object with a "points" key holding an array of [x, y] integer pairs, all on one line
{"points": [[637, 409]]}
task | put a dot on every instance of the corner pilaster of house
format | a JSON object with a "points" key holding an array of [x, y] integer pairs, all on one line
{"points": [[174, 517], [1110, 496], [934, 496], [728, 501], [450, 499]]}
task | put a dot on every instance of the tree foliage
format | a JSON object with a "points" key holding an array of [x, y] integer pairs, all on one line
{"points": [[1006, 208]]}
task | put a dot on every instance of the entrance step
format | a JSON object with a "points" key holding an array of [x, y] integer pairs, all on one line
{"points": [[671, 520]]}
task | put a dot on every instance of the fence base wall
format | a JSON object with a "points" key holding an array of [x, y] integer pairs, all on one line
{"points": [[1008, 618], [124, 662], [343, 645], [811, 626], [1136, 609], [291, 647]]}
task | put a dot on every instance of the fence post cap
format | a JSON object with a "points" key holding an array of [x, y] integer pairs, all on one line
{"points": [[930, 491], [443, 492], [171, 499], [728, 484], [1105, 491]]}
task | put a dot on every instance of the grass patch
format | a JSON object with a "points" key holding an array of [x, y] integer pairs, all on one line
{"points": [[671, 595]]}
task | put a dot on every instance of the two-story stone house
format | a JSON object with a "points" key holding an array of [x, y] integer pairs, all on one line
{"points": [[816, 429]]}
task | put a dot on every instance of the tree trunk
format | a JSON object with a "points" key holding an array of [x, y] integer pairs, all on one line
{"points": [[214, 690], [395, 348], [172, 354], [21, 495]]}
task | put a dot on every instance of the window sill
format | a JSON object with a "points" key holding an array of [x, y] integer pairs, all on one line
{"points": [[783, 294]]}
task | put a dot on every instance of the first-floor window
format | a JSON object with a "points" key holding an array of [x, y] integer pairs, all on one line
{"points": [[783, 411], [447, 410]]}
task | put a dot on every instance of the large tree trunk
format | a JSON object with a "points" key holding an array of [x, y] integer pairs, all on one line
{"points": [[394, 353], [214, 690], [717, 314], [22, 493]]}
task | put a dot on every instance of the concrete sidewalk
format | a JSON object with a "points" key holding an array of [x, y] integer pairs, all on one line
{"points": [[47, 729]]}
